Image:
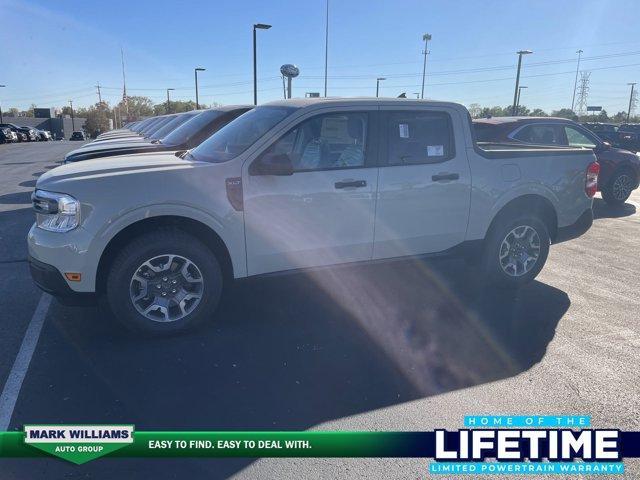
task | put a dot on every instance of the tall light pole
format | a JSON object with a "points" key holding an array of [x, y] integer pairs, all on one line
{"points": [[515, 93], [575, 83], [256, 26], [378, 80], [73, 122], [169, 104], [426, 37], [326, 49], [630, 100], [1, 120], [196, 70], [518, 101]]}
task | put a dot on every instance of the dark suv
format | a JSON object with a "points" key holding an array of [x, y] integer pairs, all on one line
{"points": [[629, 136], [606, 131], [78, 136], [619, 169]]}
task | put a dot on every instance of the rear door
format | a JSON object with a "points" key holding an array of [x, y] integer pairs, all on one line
{"points": [[323, 213], [424, 185]]}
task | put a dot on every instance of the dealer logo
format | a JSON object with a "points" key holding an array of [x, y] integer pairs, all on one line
{"points": [[78, 443]]}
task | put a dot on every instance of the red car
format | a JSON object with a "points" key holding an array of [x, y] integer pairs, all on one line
{"points": [[619, 169]]}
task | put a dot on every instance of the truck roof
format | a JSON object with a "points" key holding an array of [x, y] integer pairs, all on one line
{"points": [[305, 102], [500, 120]]}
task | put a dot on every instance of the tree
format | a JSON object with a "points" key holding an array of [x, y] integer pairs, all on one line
{"points": [[521, 111], [475, 110], [565, 113], [177, 106], [619, 117], [13, 112], [538, 112], [97, 118], [137, 107]]}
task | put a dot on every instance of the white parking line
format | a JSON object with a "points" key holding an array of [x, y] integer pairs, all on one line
{"points": [[21, 364]]}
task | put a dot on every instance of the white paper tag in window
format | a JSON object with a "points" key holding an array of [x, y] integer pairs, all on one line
{"points": [[435, 150], [404, 130]]}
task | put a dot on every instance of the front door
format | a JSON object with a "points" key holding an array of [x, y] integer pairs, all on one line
{"points": [[323, 213]]}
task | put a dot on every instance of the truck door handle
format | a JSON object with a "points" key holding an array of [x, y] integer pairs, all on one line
{"points": [[445, 176], [351, 183]]}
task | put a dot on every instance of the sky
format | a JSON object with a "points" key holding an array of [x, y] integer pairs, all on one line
{"points": [[56, 51]]}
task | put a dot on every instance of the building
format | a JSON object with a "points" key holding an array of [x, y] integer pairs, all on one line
{"points": [[45, 119]]}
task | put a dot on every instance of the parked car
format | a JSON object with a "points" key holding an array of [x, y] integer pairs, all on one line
{"points": [[301, 184], [605, 131], [7, 135], [199, 126], [21, 136], [30, 132], [619, 169], [78, 136], [629, 136], [45, 135]]}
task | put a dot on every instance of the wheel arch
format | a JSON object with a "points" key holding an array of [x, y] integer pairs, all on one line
{"points": [[530, 203], [193, 227]]}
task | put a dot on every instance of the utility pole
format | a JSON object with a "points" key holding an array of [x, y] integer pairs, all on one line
{"points": [[326, 49], [426, 37], [1, 120], [575, 83], [99, 95], [632, 99], [169, 104], [583, 93], [515, 93], [73, 123], [518, 101], [124, 86]]}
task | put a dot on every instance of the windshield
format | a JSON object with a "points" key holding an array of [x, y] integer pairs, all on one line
{"points": [[184, 132], [234, 138], [484, 132], [172, 125], [157, 126]]}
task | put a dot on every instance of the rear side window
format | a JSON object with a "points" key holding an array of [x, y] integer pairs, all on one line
{"points": [[418, 137], [578, 139], [541, 135]]}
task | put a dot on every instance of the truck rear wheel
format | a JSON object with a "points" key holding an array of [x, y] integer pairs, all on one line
{"points": [[164, 282], [515, 250]]}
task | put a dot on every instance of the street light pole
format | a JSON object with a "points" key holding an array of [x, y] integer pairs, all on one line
{"points": [[518, 101], [378, 80], [630, 100], [1, 120], [196, 70], [73, 122], [168, 103], [256, 26], [515, 93], [575, 83], [426, 37], [326, 49]]}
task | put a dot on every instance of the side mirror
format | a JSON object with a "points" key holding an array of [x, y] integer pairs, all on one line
{"points": [[606, 145], [272, 164]]}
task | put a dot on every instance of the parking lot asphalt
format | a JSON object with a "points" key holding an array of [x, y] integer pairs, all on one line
{"points": [[403, 346]]}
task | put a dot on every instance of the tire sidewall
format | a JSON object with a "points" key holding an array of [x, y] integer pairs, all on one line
{"points": [[146, 248], [491, 262], [607, 192]]}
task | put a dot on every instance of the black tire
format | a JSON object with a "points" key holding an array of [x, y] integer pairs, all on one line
{"points": [[159, 243], [611, 194], [491, 266]]}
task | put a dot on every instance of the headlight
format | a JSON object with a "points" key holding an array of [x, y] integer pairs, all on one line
{"points": [[56, 212]]}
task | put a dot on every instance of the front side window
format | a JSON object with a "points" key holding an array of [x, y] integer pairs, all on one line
{"points": [[329, 141], [541, 135], [236, 137], [578, 139], [417, 137]]}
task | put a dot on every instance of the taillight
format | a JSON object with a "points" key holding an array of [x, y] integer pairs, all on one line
{"points": [[591, 179]]}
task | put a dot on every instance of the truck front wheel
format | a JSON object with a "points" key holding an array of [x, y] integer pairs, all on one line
{"points": [[164, 282], [515, 250]]}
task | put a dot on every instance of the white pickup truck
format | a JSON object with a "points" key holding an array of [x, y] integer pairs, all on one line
{"points": [[301, 184]]}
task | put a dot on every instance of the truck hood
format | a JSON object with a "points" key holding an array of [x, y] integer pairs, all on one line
{"points": [[128, 138], [95, 147], [64, 176]]}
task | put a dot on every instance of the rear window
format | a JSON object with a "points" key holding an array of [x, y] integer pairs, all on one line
{"points": [[484, 132], [541, 135]]}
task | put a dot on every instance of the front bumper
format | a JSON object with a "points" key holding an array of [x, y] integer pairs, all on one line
{"points": [[576, 229], [49, 279]]}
